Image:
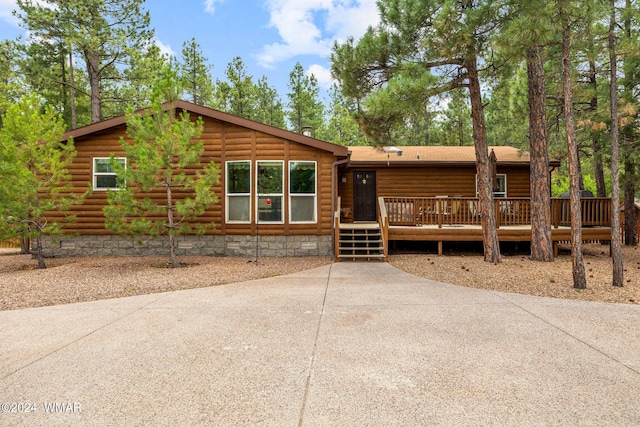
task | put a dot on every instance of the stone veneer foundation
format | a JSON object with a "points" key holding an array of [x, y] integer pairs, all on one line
{"points": [[229, 245]]}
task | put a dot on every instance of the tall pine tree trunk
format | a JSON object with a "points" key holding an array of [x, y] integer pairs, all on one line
{"points": [[616, 250], [37, 223], [630, 166], [72, 93], [579, 277], [93, 70], [630, 219], [540, 181], [598, 167], [171, 225], [485, 189]]}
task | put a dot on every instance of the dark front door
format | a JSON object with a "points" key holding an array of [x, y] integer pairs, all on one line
{"points": [[364, 196]]}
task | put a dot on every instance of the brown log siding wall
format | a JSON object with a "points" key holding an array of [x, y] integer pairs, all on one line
{"points": [[222, 142]]}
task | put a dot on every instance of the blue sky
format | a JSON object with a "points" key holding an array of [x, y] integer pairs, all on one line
{"points": [[269, 35]]}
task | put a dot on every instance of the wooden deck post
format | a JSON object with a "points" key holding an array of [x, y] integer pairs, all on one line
{"points": [[439, 247]]}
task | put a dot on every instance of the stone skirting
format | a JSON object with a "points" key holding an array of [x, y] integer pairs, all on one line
{"points": [[229, 245]]}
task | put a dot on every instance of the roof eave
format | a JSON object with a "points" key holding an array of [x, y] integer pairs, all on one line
{"points": [[431, 163], [336, 150]]}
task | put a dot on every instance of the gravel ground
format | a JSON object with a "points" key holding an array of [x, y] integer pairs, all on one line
{"points": [[68, 280], [518, 274]]}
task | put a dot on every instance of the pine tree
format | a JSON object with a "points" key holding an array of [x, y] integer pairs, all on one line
{"points": [[341, 128], [139, 78], [35, 180], [455, 123], [12, 86], [47, 60], [616, 249], [268, 105], [305, 109], [196, 74], [161, 152], [238, 94], [102, 32], [579, 277], [419, 50], [523, 40], [630, 45]]}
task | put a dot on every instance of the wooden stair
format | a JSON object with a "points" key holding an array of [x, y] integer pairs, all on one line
{"points": [[360, 241]]}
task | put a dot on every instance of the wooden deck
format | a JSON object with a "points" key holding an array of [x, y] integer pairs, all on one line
{"points": [[446, 211], [468, 233], [473, 233], [455, 219]]}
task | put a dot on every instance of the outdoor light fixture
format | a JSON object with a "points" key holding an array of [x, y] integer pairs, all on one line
{"points": [[306, 130]]}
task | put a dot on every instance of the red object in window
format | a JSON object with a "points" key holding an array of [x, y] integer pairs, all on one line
{"points": [[268, 201]]}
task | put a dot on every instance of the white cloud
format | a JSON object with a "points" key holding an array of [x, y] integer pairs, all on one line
{"points": [[6, 11], [164, 48], [309, 27], [8, 6], [209, 5], [322, 74], [352, 18]]}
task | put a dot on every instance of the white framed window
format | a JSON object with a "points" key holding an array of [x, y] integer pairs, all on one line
{"points": [[104, 175], [501, 184], [238, 194], [270, 187], [302, 192]]}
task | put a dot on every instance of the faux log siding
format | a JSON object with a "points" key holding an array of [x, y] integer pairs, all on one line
{"points": [[431, 182], [239, 144], [518, 181], [345, 189]]}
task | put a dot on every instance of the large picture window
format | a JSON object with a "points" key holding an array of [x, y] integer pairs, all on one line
{"points": [[238, 192], [104, 176], [270, 191], [302, 192]]}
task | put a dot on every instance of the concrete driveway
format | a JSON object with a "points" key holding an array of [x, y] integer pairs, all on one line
{"points": [[347, 344]]}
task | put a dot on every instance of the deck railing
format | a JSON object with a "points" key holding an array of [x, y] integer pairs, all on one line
{"points": [[336, 229], [9, 244], [383, 220], [442, 211]]}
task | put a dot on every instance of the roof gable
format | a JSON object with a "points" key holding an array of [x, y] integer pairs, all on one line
{"points": [[336, 150]]}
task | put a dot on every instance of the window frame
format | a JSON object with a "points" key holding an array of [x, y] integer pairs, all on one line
{"points": [[291, 194], [229, 195], [260, 195], [94, 174], [497, 194]]}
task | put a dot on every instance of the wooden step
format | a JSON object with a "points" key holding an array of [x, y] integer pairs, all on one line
{"points": [[360, 241], [361, 256]]}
